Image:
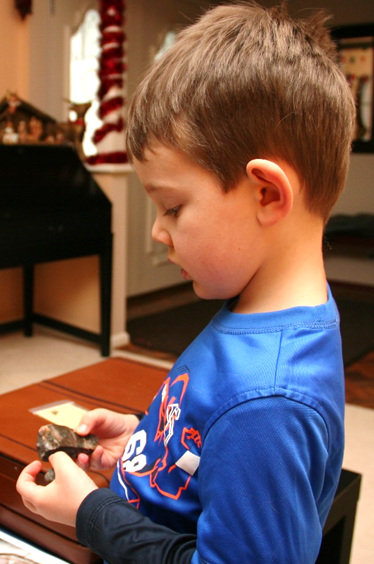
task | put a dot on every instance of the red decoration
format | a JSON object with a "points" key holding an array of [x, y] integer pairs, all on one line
{"points": [[110, 105], [111, 75], [107, 128], [118, 157]]}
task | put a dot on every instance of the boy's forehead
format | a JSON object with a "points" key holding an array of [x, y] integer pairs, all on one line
{"points": [[155, 177], [162, 168], [152, 153], [166, 171]]}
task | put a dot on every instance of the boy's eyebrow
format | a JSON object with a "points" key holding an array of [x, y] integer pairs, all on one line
{"points": [[151, 188]]}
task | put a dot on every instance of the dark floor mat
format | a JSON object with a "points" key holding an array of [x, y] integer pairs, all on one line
{"points": [[174, 329]]}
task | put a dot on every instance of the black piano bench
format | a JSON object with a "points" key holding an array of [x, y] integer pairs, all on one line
{"points": [[52, 209], [338, 531]]}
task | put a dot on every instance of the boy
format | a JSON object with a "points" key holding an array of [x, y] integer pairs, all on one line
{"points": [[241, 135]]}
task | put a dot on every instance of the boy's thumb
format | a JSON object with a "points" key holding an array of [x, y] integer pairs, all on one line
{"points": [[61, 462]]}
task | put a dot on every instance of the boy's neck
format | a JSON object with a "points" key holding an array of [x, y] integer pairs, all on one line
{"points": [[292, 275]]}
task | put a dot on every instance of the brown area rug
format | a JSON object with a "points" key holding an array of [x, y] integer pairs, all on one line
{"points": [[166, 334], [172, 330]]}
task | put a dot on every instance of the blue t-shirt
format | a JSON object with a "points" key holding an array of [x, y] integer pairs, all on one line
{"points": [[243, 444]]}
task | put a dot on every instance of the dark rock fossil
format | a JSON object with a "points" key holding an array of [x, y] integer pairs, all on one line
{"points": [[53, 438]]}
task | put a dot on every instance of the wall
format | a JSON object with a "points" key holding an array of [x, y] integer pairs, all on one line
{"points": [[21, 70], [67, 290], [148, 22], [146, 270], [14, 38], [358, 195], [342, 11]]}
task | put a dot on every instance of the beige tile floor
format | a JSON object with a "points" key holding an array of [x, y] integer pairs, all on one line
{"points": [[47, 354]]}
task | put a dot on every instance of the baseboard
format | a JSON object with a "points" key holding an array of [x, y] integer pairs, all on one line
{"points": [[119, 340], [143, 358]]}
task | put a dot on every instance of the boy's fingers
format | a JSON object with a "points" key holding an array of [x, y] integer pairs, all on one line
{"points": [[89, 421], [96, 457], [32, 470], [93, 460], [60, 461], [82, 429], [83, 461], [30, 506], [26, 486], [27, 477]]}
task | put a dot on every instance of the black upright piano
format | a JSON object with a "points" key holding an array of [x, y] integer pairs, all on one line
{"points": [[51, 209]]}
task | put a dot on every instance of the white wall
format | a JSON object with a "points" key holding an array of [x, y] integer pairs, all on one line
{"points": [[359, 192], [358, 195], [148, 22]]}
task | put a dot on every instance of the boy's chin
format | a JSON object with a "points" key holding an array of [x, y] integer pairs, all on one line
{"points": [[206, 293], [200, 291]]}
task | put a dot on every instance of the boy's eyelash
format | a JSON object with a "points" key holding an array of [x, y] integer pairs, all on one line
{"points": [[173, 211]]}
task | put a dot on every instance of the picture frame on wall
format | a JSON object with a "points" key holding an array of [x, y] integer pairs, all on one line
{"points": [[356, 56]]}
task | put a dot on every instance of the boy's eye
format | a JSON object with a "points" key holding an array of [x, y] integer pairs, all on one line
{"points": [[173, 211]]}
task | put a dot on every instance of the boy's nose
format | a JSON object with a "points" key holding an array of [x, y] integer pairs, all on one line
{"points": [[160, 234]]}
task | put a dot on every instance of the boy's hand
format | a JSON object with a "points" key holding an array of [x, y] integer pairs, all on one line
{"points": [[58, 501], [113, 431]]}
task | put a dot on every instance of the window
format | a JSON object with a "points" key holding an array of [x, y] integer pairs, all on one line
{"points": [[84, 80]]}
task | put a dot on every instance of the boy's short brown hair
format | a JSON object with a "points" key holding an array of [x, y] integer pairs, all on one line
{"points": [[248, 82]]}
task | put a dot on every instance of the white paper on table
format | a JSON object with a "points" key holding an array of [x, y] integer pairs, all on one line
{"points": [[61, 413], [12, 545]]}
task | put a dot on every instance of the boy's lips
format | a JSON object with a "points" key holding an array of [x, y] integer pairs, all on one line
{"points": [[184, 273]]}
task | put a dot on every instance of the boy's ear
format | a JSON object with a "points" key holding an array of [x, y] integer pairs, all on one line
{"points": [[272, 189]]}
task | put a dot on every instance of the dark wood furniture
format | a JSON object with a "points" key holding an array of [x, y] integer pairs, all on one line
{"points": [[127, 387], [115, 384], [52, 209], [338, 531]]}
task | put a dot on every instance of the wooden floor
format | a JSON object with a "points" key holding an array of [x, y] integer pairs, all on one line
{"points": [[359, 375], [359, 382]]}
